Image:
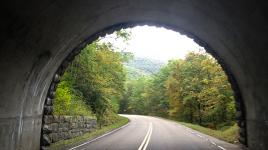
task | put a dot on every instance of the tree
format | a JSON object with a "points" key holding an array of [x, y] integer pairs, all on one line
{"points": [[97, 77], [194, 90]]}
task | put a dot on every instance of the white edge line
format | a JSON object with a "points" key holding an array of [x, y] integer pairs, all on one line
{"points": [[100, 136], [199, 135], [213, 143], [221, 147]]}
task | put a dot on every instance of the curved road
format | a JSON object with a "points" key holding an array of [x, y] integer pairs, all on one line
{"points": [[151, 133]]}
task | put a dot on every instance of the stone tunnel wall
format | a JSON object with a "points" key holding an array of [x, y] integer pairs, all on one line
{"points": [[58, 128]]}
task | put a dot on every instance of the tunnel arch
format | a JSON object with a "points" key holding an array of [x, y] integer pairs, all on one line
{"points": [[48, 105], [37, 36]]}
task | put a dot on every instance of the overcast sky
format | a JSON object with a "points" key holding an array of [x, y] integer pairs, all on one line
{"points": [[156, 43]]}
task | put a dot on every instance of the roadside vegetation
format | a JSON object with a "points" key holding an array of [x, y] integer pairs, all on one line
{"points": [[228, 133]]}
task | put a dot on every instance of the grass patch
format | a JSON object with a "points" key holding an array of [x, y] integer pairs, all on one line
{"points": [[88, 136], [230, 134]]}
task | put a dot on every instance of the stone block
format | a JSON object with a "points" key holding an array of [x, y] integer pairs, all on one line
{"points": [[48, 119], [48, 110], [64, 125], [68, 118], [80, 124], [61, 119], [46, 140], [61, 125], [46, 128], [86, 130], [53, 127], [49, 101], [70, 133], [60, 129], [73, 119], [54, 137], [77, 118], [60, 136], [56, 118], [73, 125], [76, 134], [65, 129]]}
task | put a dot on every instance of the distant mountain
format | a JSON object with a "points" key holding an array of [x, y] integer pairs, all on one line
{"points": [[138, 67]]}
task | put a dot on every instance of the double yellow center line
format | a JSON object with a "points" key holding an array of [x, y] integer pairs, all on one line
{"points": [[147, 138]]}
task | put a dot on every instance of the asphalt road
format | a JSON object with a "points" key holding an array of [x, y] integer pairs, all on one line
{"points": [[151, 133]]}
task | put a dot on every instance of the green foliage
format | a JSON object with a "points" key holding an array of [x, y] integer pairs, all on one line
{"points": [[68, 102], [135, 97], [124, 34], [94, 82], [63, 98], [140, 67], [194, 90]]}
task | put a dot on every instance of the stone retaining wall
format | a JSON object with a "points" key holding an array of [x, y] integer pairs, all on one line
{"points": [[56, 128]]}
